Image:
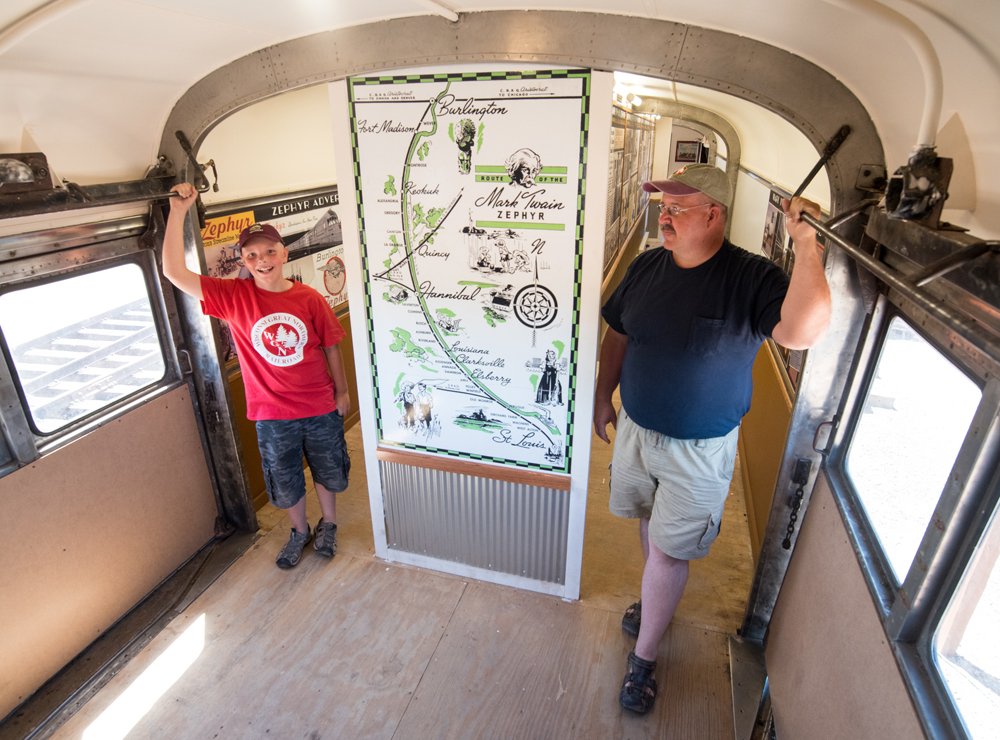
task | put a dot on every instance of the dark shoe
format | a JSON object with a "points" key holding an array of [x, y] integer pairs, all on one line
{"points": [[639, 686], [291, 553], [326, 539], [630, 622]]}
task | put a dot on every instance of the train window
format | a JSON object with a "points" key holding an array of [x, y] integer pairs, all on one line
{"points": [[916, 415], [967, 647], [80, 343]]}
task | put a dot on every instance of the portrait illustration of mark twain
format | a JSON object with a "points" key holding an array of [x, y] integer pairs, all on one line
{"points": [[523, 167]]}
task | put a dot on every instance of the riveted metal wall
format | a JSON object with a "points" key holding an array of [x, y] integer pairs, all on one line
{"points": [[809, 97], [505, 527]]}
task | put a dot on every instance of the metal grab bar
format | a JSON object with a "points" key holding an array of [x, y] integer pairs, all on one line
{"points": [[845, 216], [123, 199], [957, 322]]}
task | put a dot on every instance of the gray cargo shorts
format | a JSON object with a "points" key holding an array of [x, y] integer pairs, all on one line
{"points": [[680, 485], [282, 443]]}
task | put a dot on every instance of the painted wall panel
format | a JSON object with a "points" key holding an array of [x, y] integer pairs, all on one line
{"points": [[832, 671], [88, 531]]}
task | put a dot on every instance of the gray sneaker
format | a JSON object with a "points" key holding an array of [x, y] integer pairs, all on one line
{"points": [[291, 553], [326, 539]]}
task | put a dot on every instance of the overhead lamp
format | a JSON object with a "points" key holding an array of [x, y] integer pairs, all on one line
{"points": [[14, 171], [24, 172]]}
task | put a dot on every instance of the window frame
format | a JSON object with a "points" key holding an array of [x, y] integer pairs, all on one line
{"points": [[47, 263], [911, 611]]}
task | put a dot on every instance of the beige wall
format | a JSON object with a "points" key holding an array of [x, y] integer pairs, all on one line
{"points": [[274, 146], [661, 149], [831, 669], [749, 213], [88, 531], [771, 146]]}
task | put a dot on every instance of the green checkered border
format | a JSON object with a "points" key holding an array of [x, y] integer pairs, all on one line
{"points": [[584, 76], [537, 74], [365, 265]]}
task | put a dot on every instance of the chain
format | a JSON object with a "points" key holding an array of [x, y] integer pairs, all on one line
{"points": [[800, 477], [796, 502]]}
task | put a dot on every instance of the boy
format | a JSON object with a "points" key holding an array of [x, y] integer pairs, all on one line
{"points": [[287, 336]]}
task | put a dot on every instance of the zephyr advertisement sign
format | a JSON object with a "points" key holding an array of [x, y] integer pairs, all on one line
{"points": [[470, 192]]}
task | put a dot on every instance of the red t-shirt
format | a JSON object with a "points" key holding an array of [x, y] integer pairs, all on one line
{"points": [[280, 339]]}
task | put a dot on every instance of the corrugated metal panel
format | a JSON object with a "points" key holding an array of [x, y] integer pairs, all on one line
{"points": [[506, 527]]}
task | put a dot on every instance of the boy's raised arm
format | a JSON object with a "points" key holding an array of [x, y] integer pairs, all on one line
{"points": [[173, 243]]}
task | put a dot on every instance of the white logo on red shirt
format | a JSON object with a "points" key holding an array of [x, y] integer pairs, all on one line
{"points": [[280, 338]]}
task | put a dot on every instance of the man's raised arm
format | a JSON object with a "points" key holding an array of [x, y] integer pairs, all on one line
{"points": [[805, 312]]}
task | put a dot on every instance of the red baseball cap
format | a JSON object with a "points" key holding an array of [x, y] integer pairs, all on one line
{"points": [[262, 230]]}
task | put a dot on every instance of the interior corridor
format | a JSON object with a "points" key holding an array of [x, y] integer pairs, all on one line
{"points": [[359, 648]]}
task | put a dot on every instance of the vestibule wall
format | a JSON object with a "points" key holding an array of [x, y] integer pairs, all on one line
{"points": [[87, 531], [831, 670]]}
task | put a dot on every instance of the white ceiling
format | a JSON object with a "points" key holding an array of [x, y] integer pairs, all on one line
{"points": [[93, 86], [771, 146]]}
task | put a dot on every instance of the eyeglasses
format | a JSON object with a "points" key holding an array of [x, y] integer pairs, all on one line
{"points": [[674, 211]]}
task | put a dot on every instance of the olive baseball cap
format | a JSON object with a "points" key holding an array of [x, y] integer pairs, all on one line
{"points": [[695, 178], [262, 230]]}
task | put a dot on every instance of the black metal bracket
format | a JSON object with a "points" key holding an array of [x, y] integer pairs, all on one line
{"points": [[200, 181], [828, 151]]}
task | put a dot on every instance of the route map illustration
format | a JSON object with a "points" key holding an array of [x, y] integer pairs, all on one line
{"points": [[470, 191]]}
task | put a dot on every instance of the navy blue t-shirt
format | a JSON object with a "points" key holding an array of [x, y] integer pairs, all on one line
{"points": [[693, 335]]}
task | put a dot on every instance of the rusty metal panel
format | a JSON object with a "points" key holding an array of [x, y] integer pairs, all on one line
{"points": [[505, 527]]}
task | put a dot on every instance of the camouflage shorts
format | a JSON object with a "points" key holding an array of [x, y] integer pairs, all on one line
{"points": [[282, 443]]}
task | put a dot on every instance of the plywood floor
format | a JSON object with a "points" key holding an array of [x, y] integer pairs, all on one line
{"points": [[357, 648]]}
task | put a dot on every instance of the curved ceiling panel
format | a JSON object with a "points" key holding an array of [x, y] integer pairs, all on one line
{"points": [[93, 85], [799, 91]]}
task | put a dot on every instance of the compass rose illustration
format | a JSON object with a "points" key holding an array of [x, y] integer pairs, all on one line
{"points": [[535, 306]]}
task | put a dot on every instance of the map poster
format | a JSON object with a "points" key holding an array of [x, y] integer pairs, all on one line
{"points": [[470, 192]]}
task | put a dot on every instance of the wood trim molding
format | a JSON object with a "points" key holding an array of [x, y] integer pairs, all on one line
{"points": [[780, 373], [748, 500], [479, 470]]}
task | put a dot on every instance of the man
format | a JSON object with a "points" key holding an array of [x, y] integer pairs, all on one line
{"points": [[685, 325]]}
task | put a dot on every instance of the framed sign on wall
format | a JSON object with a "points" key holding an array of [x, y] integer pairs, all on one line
{"points": [[471, 194], [687, 151]]}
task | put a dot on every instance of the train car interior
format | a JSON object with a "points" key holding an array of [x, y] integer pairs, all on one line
{"points": [[854, 589]]}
